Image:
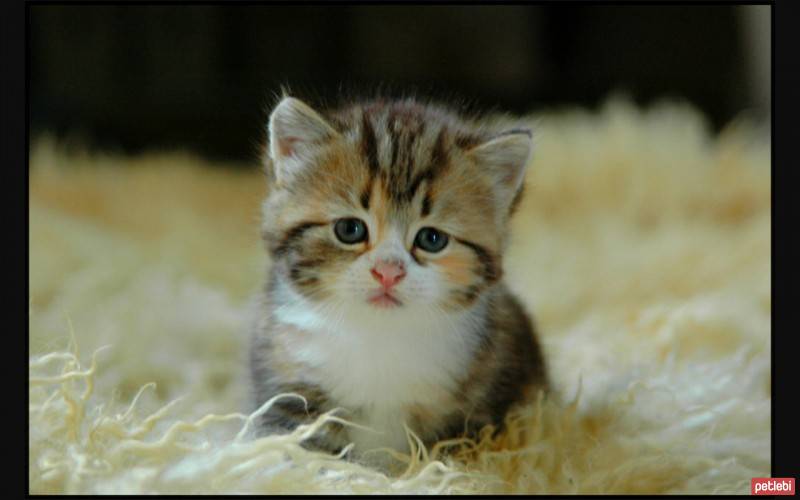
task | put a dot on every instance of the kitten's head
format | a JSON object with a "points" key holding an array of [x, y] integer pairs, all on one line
{"points": [[390, 205]]}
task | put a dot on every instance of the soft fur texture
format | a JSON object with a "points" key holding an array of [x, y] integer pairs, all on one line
{"points": [[446, 348], [643, 245]]}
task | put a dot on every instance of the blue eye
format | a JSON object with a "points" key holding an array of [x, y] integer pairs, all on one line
{"points": [[350, 230], [431, 240]]}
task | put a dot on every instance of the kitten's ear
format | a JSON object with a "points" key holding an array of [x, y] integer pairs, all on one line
{"points": [[506, 156], [294, 131]]}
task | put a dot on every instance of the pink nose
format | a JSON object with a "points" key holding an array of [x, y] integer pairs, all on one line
{"points": [[388, 273]]}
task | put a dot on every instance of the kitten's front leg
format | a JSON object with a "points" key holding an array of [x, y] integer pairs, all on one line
{"points": [[289, 412]]}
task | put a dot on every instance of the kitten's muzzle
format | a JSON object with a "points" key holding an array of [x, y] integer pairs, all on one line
{"points": [[384, 299]]}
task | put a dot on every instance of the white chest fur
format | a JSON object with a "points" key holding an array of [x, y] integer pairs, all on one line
{"points": [[380, 363]]}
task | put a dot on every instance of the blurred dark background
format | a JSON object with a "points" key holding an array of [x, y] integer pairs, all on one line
{"points": [[137, 77]]}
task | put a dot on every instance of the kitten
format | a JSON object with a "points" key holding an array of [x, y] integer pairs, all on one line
{"points": [[386, 223]]}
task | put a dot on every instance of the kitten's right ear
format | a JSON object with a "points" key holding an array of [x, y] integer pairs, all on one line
{"points": [[294, 131]]}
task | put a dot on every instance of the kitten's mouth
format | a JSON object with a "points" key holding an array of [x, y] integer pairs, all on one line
{"points": [[384, 299]]}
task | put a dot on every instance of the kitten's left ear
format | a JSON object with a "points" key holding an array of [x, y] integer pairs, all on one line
{"points": [[506, 156], [294, 131]]}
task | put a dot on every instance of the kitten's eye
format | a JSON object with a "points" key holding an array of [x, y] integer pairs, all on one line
{"points": [[431, 240], [350, 230]]}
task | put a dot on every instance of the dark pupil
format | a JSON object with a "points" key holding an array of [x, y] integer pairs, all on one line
{"points": [[350, 230], [431, 240]]}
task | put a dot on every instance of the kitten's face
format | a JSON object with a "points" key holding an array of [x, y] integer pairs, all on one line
{"points": [[396, 208]]}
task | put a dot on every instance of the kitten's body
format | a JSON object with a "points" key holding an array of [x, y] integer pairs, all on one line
{"points": [[454, 350]]}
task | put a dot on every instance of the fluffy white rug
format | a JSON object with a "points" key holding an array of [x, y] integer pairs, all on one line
{"points": [[642, 247]]}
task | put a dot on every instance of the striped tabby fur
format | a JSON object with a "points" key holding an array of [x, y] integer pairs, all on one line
{"points": [[459, 350]]}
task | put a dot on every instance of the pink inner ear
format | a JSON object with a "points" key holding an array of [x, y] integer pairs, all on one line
{"points": [[510, 175], [286, 145]]}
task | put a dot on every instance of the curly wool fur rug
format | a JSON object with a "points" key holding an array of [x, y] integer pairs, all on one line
{"points": [[642, 247]]}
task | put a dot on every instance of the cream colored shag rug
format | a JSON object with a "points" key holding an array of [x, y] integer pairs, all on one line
{"points": [[642, 247]]}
